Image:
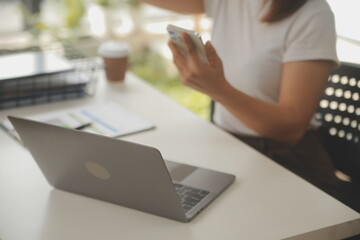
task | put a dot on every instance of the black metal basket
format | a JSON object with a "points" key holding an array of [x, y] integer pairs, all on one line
{"points": [[79, 81]]}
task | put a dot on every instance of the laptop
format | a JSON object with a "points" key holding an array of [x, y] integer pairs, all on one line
{"points": [[120, 172]]}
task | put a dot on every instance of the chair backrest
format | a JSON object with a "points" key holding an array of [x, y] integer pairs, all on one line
{"points": [[339, 114]]}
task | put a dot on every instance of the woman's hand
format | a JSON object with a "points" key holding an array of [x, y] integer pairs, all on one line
{"points": [[207, 77]]}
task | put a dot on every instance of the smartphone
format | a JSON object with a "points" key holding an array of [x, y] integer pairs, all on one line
{"points": [[175, 36]]}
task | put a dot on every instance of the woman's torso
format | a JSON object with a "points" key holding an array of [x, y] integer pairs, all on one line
{"points": [[253, 52]]}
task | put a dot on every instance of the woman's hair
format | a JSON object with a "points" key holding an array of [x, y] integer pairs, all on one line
{"points": [[280, 9]]}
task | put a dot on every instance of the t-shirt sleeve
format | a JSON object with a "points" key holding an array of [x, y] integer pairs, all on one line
{"points": [[210, 7], [313, 39]]}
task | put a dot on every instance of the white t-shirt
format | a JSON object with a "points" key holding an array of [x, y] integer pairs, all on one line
{"points": [[253, 52]]}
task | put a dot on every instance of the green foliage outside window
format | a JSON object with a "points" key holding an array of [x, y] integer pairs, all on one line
{"points": [[75, 11]]}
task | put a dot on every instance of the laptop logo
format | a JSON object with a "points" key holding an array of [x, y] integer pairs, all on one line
{"points": [[97, 170]]}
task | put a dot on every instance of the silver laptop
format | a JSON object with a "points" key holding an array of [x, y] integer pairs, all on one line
{"points": [[120, 172]]}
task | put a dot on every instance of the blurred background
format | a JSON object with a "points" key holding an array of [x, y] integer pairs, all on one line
{"points": [[86, 23]]}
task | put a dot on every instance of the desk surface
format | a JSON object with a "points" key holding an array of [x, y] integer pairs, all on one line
{"points": [[265, 202]]}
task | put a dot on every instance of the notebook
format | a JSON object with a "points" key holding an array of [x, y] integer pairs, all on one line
{"points": [[109, 119]]}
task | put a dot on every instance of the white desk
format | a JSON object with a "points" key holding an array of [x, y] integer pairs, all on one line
{"points": [[265, 202]]}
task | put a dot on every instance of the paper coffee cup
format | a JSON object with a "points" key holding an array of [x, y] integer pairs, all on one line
{"points": [[115, 55]]}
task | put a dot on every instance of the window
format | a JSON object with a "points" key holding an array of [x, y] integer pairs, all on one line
{"points": [[347, 20]]}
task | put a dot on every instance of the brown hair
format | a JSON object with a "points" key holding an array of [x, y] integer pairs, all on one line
{"points": [[280, 9]]}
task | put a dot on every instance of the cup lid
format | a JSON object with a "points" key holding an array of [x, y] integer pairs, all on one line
{"points": [[114, 49]]}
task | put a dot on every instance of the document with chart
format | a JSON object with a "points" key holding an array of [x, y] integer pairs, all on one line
{"points": [[109, 119]]}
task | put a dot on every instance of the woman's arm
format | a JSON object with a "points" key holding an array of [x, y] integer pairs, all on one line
{"points": [[181, 6], [286, 121], [301, 86]]}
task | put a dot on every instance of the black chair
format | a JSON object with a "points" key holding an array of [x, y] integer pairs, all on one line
{"points": [[339, 115]]}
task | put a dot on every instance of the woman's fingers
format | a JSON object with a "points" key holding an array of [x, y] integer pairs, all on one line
{"points": [[191, 49], [211, 53], [178, 57]]}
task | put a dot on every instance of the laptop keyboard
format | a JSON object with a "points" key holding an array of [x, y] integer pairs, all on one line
{"points": [[189, 196]]}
